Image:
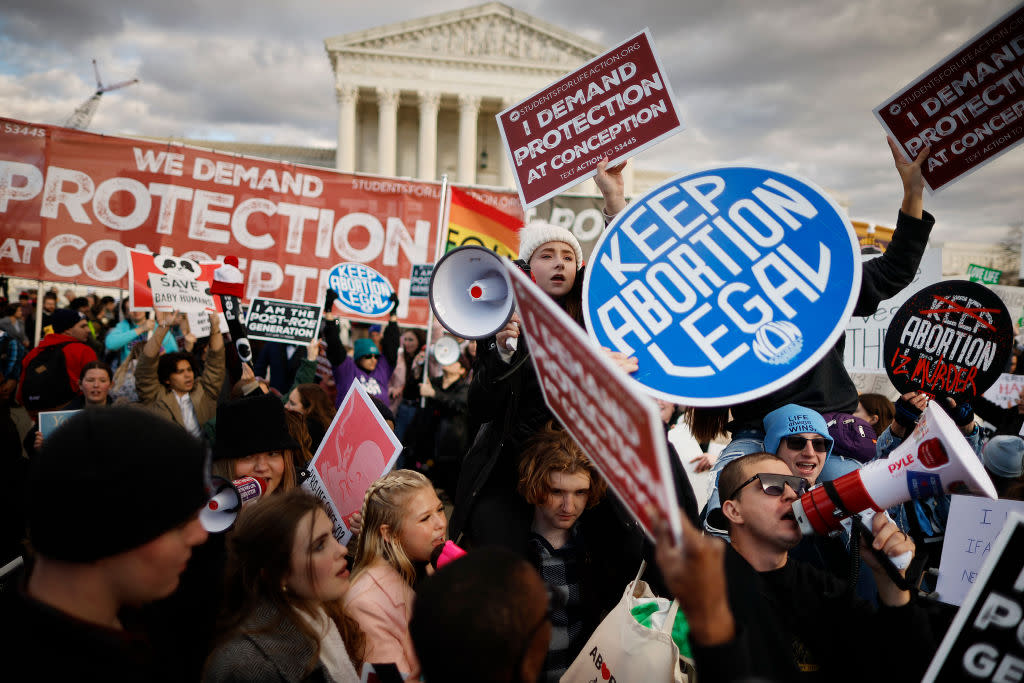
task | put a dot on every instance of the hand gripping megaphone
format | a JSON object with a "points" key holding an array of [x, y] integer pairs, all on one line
{"points": [[226, 501], [471, 293], [934, 459]]}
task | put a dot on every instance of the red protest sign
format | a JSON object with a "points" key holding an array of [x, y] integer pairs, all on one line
{"points": [[969, 107], [72, 203], [358, 449], [170, 283], [618, 427], [616, 105]]}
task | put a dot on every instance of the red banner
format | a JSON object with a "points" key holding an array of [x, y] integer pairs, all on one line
{"points": [[71, 202], [969, 107]]}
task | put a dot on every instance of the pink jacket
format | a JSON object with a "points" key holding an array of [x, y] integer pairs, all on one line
{"points": [[381, 601]]}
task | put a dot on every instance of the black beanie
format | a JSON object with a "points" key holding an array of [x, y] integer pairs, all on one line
{"points": [[110, 480], [255, 424], [64, 318]]}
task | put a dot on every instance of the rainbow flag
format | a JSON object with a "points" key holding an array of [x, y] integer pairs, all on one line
{"points": [[471, 221]]}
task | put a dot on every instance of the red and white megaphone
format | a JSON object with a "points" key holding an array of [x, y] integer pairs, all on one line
{"points": [[226, 500], [471, 293], [934, 459]]}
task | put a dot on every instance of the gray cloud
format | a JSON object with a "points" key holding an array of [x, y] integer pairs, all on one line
{"points": [[783, 83]]}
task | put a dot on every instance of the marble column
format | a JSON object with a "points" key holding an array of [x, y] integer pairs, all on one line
{"points": [[508, 178], [387, 130], [345, 158], [427, 158], [469, 109]]}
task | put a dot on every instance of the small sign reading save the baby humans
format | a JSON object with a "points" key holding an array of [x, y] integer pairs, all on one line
{"points": [[291, 322]]}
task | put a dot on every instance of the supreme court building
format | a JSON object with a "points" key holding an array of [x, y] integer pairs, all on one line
{"points": [[419, 98]]}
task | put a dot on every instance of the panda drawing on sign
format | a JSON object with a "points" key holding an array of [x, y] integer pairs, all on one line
{"points": [[177, 268]]}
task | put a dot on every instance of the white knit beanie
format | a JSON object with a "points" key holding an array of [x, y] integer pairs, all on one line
{"points": [[537, 233]]}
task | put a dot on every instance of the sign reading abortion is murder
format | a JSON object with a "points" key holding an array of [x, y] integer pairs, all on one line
{"points": [[726, 284], [615, 106], [291, 322], [969, 107], [361, 289], [616, 425], [950, 339], [984, 642]]}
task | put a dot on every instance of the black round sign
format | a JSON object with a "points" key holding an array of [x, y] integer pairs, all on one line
{"points": [[950, 339]]}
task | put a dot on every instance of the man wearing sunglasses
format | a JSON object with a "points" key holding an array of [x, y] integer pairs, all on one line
{"points": [[799, 622]]}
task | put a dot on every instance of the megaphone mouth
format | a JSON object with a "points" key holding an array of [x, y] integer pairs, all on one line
{"points": [[471, 293]]}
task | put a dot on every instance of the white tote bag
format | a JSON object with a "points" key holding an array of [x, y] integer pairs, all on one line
{"points": [[621, 649]]}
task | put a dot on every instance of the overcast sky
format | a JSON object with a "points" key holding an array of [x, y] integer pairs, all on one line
{"points": [[785, 83]]}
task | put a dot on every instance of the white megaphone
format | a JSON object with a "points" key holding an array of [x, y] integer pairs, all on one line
{"points": [[934, 459], [471, 293], [446, 350], [226, 500]]}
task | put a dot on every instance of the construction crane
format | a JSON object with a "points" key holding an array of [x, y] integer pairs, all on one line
{"points": [[83, 115]]}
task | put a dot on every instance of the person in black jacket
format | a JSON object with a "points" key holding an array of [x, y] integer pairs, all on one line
{"points": [[798, 623], [827, 387]]}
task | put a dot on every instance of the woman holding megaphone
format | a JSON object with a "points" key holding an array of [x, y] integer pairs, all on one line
{"points": [[505, 397]]}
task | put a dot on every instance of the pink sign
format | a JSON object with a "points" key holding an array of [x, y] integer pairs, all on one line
{"points": [[615, 425], [358, 449], [968, 107], [615, 105]]}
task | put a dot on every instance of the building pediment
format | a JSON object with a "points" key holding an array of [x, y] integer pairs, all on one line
{"points": [[491, 33]]}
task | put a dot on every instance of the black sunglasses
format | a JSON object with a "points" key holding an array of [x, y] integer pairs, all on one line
{"points": [[775, 484], [797, 443]]}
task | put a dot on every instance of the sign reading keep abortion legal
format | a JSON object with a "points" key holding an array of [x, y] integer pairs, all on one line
{"points": [[726, 284], [361, 289], [615, 105]]}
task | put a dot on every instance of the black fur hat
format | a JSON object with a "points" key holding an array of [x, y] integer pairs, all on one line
{"points": [[255, 424]]}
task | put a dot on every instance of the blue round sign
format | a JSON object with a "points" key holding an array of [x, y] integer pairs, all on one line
{"points": [[726, 284], [361, 289]]}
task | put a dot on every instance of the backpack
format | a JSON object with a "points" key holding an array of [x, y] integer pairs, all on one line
{"points": [[46, 384]]}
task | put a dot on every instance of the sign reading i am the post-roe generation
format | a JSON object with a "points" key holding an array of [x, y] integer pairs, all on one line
{"points": [[726, 284], [969, 107], [615, 106], [290, 322]]}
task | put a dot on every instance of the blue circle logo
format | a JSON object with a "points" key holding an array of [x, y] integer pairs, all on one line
{"points": [[726, 284], [361, 289]]}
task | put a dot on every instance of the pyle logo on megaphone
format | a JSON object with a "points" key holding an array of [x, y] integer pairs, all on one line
{"points": [[934, 459], [470, 292]]}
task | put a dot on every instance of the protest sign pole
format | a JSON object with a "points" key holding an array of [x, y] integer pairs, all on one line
{"points": [[39, 311], [442, 237]]}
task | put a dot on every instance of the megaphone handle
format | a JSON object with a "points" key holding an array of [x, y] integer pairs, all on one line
{"points": [[888, 564], [512, 343]]}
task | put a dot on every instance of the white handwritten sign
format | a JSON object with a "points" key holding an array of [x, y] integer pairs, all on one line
{"points": [[974, 523]]}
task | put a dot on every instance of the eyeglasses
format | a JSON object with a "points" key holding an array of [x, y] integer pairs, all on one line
{"points": [[797, 443], [775, 484]]}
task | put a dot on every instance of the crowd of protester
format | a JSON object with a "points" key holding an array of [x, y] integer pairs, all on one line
{"points": [[121, 579]]}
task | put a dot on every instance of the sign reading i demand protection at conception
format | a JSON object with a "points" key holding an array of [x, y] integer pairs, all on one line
{"points": [[726, 284], [969, 107], [615, 106]]}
